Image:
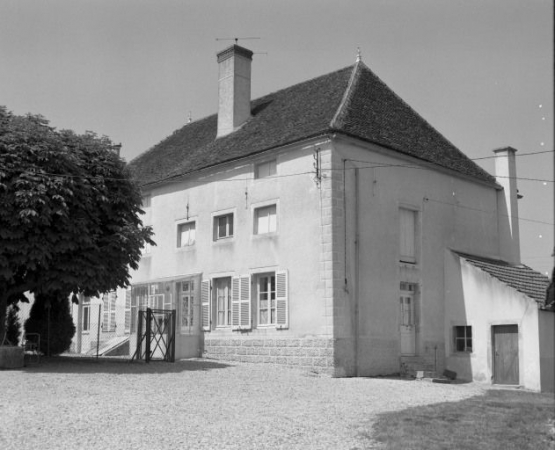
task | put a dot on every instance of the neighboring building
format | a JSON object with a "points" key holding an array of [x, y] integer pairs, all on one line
{"points": [[310, 227]]}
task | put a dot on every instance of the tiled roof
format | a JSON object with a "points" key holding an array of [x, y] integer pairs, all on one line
{"points": [[520, 277], [352, 101]]}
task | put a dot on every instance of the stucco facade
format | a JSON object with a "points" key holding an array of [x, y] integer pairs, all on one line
{"points": [[476, 299], [312, 232]]}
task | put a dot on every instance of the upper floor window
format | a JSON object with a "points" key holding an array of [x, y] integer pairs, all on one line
{"points": [[146, 201], [223, 226], [265, 220], [186, 234], [407, 235], [265, 169]]}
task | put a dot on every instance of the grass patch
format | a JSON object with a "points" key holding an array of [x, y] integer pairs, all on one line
{"points": [[500, 419]]}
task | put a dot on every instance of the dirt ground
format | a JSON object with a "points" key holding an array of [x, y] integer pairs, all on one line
{"points": [[198, 404]]}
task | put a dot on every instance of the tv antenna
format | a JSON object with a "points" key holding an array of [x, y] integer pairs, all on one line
{"points": [[236, 39]]}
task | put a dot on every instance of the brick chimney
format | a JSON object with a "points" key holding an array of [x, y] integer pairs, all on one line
{"points": [[234, 84], [507, 200]]}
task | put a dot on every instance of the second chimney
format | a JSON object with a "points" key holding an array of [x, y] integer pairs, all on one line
{"points": [[234, 85], [505, 173]]}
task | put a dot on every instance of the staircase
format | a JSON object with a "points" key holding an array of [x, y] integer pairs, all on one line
{"points": [[417, 367]]}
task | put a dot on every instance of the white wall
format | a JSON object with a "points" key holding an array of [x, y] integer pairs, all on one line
{"points": [[477, 299], [453, 212], [296, 247]]}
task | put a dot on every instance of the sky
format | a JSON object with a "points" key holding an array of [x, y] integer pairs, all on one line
{"points": [[480, 71]]}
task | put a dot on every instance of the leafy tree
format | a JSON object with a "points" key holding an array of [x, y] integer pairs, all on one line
{"points": [[13, 326], [69, 220], [55, 327]]}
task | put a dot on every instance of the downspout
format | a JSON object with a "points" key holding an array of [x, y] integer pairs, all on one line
{"points": [[356, 271]]}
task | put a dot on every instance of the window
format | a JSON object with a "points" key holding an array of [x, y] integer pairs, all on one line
{"points": [[266, 298], [222, 301], [265, 169], [139, 300], [223, 226], [185, 292], [227, 302], [406, 303], [265, 220], [407, 228], [86, 314], [185, 234], [463, 338], [146, 201], [146, 249]]}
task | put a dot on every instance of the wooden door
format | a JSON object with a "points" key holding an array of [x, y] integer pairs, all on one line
{"points": [[505, 355]]}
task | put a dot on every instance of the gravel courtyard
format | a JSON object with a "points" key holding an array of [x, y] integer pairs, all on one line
{"points": [[198, 404]]}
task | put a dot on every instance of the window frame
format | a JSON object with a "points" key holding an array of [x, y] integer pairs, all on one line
{"points": [[465, 338], [86, 317], [404, 241], [227, 310], [270, 288], [256, 216], [230, 230], [272, 169], [179, 233], [190, 295]]}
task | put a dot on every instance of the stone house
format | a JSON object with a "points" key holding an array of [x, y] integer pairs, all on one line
{"points": [[319, 226]]}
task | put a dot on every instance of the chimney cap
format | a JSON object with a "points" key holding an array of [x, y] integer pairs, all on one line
{"points": [[505, 149], [234, 50]]}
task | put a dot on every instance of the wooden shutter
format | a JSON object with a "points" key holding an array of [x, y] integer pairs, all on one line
{"points": [[245, 302], [241, 303], [282, 300], [105, 312], [205, 302], [127, 320], [113, 299], [235, 303], [407, 222]]}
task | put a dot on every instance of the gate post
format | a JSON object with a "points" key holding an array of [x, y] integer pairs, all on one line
{"points": [[148, 332]]}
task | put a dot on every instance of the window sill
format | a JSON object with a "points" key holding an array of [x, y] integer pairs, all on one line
{"points": [[462, 354], [224, 240], [409, 265], [185, 248], [271, 235]]}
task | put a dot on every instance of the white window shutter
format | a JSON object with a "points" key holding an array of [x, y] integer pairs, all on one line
{"points": [[282, 300], [205, 300], [235, 303], [127, 320], [245, 302]]}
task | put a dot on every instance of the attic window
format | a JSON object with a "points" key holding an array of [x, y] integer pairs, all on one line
{"points": [[265, 169], [146, 201]]}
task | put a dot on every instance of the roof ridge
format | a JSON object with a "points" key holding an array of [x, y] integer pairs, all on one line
{"points": [[347, 95]]}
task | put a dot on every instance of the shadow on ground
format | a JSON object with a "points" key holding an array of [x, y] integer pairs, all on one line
{"points": [[62, 364]]}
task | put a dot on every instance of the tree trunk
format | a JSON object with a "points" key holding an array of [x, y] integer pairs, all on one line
{"points": [[3, 311]]}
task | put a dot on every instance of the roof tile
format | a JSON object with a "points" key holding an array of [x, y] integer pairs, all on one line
{"points": [[520, 277], [351, 101]]}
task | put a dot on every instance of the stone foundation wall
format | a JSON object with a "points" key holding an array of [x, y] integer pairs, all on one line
{"points": [[315, 354]]}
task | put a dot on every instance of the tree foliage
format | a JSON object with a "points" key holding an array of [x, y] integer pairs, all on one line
{"points": [[69, 220], [50, 317], [13, 326]]}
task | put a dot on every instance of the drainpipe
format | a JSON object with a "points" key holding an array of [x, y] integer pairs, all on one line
{"points": [[356, 271]]}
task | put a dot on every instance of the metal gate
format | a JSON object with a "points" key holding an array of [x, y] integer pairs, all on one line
{"points": [[156, 335]]}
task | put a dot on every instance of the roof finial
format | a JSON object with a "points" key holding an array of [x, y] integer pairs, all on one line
{"points": [[190, 117], [359, 56]]}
